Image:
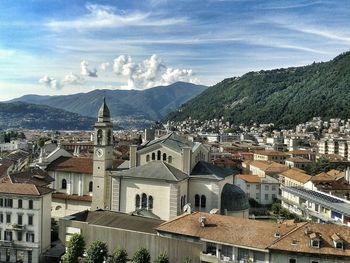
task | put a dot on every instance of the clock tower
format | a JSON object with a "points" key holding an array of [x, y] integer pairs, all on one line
{"points": [[103, 159]]}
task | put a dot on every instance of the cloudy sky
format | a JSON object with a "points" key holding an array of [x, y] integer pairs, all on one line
{"points": [[65, 46]]}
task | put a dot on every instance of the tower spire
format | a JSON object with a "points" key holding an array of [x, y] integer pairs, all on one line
{"points": [[104, 113]]}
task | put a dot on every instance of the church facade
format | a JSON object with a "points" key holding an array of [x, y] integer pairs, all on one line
{"points": [[162, 178]]}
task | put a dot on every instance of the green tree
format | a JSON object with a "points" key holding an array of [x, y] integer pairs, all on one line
{"points": [[75, 249], [141, 256], [97, 252], [162, 258], [119, 256]]}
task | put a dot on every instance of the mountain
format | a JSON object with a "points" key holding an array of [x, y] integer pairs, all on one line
{"points": [[32, 116], [285, 97], [149, 104]]}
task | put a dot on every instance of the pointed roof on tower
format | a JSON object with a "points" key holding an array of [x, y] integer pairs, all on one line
{"points": [[104, 114]]}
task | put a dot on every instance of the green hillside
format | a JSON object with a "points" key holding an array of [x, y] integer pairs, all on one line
{"points": [[285, 97], [31, 116]]}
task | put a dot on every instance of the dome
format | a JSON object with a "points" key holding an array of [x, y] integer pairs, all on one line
{"points": [[103, 113], [233, 199]]}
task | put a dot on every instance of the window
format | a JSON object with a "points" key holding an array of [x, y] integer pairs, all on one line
{"points": [[226, 251], [150, 202], [99, 137], [8, 202], [257, 187], [170, 159], [257, 196], [196, 200], [90, 186], [315, 243], [137, 201], [266, 197], [273, 188], [1, 202], [248, 186], [211, 248], [158, 155], [203, 201], [292, 260], [64, 184], [273, 196], [30, 204], [8, 218], [30, 220], [339, 245], [19, 219], [109, 137], [20, 203], [19, 235], [1, 218], [30, 256], [144, 201], [30, 237], [147, 158], [164, 157], [266, 187], [153, 156], [182, 202], [8, 235]]}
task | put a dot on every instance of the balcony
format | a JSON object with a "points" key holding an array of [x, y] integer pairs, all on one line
{"points": [[18, 227], [204, 257], [6, 243]]}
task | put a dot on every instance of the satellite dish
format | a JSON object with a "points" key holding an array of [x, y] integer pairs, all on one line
{"points": [[187, 208], [214, 211]]}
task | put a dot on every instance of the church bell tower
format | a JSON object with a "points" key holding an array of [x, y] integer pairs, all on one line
{"points": [[103, 159]]}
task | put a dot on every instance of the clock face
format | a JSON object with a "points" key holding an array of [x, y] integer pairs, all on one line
{"points": [[99, 153]]}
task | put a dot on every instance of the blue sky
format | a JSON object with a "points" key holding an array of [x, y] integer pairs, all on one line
{"points": [[63, 47]]}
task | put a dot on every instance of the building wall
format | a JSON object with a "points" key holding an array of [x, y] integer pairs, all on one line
{"points": [[175, 156], [61, 207], [177, 250], [277, 257], [204, 187], [160, 191], [77, 183]]}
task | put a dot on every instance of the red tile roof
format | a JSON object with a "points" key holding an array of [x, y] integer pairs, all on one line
{"points": [[72, 164], [8, 187]]}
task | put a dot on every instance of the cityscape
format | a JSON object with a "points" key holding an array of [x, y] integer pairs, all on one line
{"points": [[175, 131]]}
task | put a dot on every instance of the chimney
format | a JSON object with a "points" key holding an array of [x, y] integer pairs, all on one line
{"points": [[186, 160], [133, 156], [202, 220], [347, 174]]}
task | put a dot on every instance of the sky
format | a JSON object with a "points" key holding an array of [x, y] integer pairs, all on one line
{"points": [[57, 47]]}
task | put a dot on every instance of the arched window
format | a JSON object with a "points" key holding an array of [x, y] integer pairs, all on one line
{"points": [[147, 158], [153, 156], [64, 184], [99, 137], [144, 201], [158, 155], [150, 202], [90, 186], [182, 202], [203, 201], [109, 137], [196, 200], [137, 201], [185, 199], [170, 159], [164, 157]]}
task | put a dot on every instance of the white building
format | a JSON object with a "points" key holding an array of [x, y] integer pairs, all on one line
{"points": [[25, 217]]}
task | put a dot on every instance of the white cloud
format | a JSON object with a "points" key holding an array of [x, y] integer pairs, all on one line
{"points": [[104, 17], [85, 71], [73, 79], [50, 82], [149, 73], [105, 66]]}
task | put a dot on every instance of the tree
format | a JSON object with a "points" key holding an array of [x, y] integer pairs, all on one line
{"points": [[75, 249], [97, 252], [119, 256], [142, 256], [162, 258]]}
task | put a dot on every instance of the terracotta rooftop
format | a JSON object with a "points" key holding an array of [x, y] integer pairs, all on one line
{"points": [[8, 187], [270, 153], [253, 179], [331, 175], [72, 164], [298, 160], [269, 167], [85, 198], [32, 175], [299, 242], [297, 175], [300, 152], [227, 229]]}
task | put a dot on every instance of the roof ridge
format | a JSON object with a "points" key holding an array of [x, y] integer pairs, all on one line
{"points": [[177, 218], [166, 166], [288, 233]]}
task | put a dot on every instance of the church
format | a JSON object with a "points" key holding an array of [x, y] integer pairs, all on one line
{"points": [[163, 177]]}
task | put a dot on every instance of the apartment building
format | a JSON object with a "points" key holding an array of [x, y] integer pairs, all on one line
{"points": [[268, 155], [25, 219]]}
